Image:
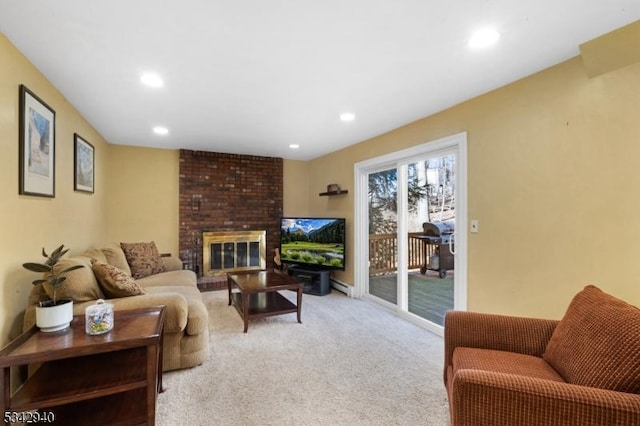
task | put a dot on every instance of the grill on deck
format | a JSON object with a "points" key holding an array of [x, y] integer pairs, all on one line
{"points": [[439, 234]]}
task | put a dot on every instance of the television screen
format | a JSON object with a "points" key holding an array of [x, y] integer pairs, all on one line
{"points": [[313, 242]]}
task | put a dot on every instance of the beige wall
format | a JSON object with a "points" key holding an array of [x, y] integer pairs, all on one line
{"points": [[553, 169], [29, 223], [337, 169], [143, 194], [296, 188]]}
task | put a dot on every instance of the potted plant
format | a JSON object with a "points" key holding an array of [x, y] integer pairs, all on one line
{"points": [[53, 314]]}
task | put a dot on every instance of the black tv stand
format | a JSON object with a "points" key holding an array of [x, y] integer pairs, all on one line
{"points": [[315, 281]]}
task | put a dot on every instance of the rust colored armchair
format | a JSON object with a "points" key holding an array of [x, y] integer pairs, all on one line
{"points": [[582, 370]]}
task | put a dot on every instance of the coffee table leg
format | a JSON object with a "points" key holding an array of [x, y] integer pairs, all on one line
{"points": [[245, 310], [299, 304], [229, 284]]}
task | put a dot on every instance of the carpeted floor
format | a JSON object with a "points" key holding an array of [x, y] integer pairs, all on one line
{"points": [[348, 363]]}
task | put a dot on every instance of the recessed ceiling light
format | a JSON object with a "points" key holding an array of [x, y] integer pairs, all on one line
{"points": [[151, 79], [347, 116], [159, 130], [484, 38], [294, 146]]}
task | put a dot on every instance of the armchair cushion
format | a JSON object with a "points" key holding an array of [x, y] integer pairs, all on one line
{"points": [[503, 362], [527, 336], [499, 399], [597, 343]]}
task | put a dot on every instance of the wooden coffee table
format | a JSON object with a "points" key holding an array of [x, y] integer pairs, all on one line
{"points": [[259, 296]]}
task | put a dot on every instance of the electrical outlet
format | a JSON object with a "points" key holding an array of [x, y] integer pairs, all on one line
{"points": [[475, 226]]}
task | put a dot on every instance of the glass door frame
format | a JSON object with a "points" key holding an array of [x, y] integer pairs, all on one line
{"points": [[455, 144]]}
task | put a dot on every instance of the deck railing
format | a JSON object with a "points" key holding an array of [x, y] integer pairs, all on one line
{"points": [[383, 252]]}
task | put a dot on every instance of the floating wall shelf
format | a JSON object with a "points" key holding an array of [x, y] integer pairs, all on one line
{"points": [[331, 193]]}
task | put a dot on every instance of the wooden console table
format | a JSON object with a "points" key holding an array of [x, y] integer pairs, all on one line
{"points": [[112, 378], [258, 295]]}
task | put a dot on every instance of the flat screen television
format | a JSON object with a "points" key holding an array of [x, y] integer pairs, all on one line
{"points": [[313, 242]]}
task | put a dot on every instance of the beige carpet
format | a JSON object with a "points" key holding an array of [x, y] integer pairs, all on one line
{"points": [[348, 363]]}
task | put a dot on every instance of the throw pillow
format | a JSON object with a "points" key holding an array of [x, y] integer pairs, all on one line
{"points": [[80, 285], [115, 282], [143, 258], [597, 343]]}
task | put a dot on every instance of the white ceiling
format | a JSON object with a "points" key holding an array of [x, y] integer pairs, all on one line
{"points": [[253, 76]]}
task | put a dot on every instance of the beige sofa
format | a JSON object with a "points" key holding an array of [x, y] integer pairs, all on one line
{"points": [[186, 334]]}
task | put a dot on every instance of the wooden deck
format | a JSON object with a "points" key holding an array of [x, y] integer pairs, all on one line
{"points": [[429, 296]]}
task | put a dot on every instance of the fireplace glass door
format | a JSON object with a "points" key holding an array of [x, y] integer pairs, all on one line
{"points": [[233, 251]]}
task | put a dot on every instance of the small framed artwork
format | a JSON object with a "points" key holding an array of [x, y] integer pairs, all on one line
{"points": [[84, 164], [37, 146]]}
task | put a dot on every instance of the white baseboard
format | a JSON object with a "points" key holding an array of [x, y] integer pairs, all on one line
{"points": [[341, 287]]}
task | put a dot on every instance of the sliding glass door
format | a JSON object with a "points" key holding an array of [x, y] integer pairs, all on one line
{"points": [[383, 234], [412, 216], [431, 233]]}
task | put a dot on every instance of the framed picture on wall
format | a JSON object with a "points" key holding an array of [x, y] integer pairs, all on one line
{"points": [[84, 164], [37, 146]]}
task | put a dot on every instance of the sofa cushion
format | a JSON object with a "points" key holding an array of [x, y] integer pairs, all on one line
{"points": [[80, 286], [115, 256], [143, 259], [503, 362], [183, 277], [176, 308], [115, 282], [171, 263], [96, 254], [597, 343]]}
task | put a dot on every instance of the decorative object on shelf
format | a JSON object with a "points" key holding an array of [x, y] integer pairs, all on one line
{"points": [[98, 318], [53, 314], [84, 161], [334, 189], [37, 146]]}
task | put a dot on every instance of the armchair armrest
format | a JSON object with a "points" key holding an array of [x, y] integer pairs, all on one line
{"points": [[488, 398], [522, 335]]}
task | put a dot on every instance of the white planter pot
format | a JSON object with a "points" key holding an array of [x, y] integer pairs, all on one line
{"points": [[55, 317]]}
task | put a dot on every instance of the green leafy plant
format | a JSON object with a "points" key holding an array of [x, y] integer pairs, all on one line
{"points": [[53, 278]]}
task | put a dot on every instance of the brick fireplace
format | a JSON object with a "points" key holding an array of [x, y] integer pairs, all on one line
{"points": [[223, 193]]}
